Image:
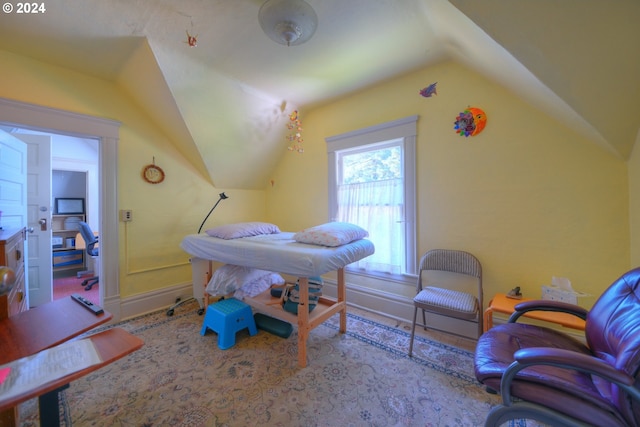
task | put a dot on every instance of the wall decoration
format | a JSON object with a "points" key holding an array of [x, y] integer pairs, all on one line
{"points": [[430, 90], [295, 135], [192, 41], [153, 174], [470, 122]]}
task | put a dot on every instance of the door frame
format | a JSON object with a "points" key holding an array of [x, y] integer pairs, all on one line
{"points": [[107, 131]]}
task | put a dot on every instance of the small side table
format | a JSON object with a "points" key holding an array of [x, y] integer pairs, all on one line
{"points": [[501, 304]]}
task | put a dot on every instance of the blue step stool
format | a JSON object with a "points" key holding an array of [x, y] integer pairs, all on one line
{"points": [[227, 317]]}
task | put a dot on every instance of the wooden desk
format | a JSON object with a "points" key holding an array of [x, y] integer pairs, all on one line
{"points": [[501, 304], [44, 327], [111, 345], [51, 324]]}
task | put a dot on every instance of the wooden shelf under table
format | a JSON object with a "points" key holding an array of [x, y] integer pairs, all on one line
{"points": [[326, 307], [202, 271]]}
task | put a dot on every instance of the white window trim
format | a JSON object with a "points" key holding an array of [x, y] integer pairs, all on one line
{"points": [[406, 129]]}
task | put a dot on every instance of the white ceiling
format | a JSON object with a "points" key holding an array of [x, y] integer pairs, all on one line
{"points": [[224, 103]]}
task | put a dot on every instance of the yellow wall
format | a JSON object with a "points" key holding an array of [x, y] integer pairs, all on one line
{"points": [[634, 203], [149, 253], [530, 198]]}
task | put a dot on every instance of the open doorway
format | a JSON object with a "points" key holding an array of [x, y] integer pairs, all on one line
{"points": [[74, 269], [73, 175], [106, 132]]}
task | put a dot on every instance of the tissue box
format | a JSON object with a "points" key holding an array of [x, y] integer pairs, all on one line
{"points": [[561, 290], [554, 293]]}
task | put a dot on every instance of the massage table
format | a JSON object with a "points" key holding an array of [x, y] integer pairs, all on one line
{"points": [[280, 253]]}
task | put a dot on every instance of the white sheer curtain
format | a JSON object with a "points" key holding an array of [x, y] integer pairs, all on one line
{"points": [[378, 207]]}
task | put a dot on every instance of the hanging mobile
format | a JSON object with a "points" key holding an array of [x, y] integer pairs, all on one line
{"points": [[153, 174]]}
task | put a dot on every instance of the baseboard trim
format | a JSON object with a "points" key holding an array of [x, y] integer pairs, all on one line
{"points": [[399, 308], [137, 305], [383, 303]]}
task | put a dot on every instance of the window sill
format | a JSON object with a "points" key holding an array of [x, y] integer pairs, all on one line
{"points": [[402, 279]]}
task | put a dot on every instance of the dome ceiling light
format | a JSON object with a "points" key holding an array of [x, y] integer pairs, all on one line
{"points": [[288, 22]]}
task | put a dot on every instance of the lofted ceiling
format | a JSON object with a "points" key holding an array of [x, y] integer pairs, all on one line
{"points": [[225, 102]]}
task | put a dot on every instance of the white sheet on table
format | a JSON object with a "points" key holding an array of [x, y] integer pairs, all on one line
{"points": [[277, 252]]}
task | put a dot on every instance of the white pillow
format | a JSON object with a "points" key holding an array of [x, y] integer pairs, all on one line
{"points": [[242, 229], [331, 234], [257, 287], [229, 278]]}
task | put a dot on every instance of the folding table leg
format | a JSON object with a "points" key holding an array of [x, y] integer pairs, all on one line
{"points": [[49, 405]]}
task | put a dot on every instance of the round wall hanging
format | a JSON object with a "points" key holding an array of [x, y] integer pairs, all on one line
{"points": [[153, 174], [470, 122]]}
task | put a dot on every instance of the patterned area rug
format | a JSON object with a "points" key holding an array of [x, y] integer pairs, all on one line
{"points": [[361, 378]]}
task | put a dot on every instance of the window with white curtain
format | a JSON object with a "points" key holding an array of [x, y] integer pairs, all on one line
{"points": [[372, 184]]}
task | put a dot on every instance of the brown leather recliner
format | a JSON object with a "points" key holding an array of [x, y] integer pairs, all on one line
{"points": [[545, 375]]}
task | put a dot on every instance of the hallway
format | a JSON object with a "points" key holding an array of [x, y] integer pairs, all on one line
{"points": [[69, 283]]}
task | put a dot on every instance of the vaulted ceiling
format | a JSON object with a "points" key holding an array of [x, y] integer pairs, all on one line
{"points": [[224, 103]]}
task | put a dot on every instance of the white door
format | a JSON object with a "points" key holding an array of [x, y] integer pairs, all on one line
{"points": [[13, 183], [39, 217]]}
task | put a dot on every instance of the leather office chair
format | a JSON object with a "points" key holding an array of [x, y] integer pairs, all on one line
{"points": [[91, 241], [546, 375], [455, 292]]}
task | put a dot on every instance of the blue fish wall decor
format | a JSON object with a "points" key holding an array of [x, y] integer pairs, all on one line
{"points": [[430, 90]]}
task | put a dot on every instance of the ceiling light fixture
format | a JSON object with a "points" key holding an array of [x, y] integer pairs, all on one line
{"points": [[288, 22]]}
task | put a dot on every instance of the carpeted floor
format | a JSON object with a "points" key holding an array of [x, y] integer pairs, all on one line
{"points": [[361, 378], [65, 286]]}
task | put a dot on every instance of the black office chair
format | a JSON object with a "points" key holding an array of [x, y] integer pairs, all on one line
{"points": [[91, 241]]}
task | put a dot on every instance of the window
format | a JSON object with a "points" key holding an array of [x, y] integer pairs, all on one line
{"points": [[372, 184]]}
